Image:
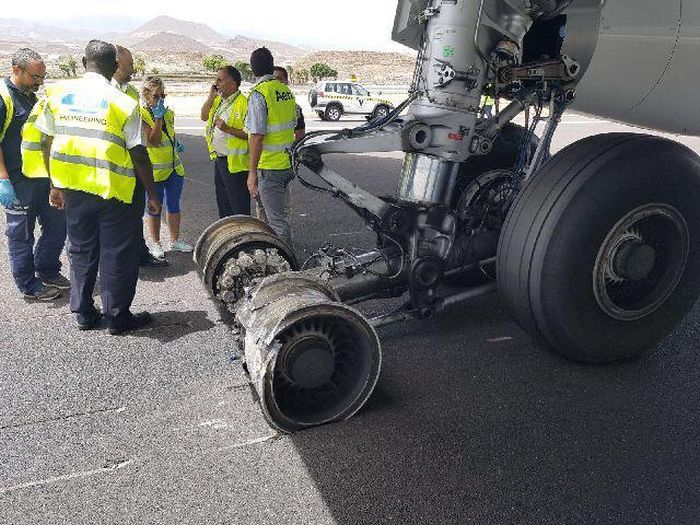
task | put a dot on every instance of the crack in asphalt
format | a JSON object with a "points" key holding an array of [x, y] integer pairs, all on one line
{"points": [[114, 410]]}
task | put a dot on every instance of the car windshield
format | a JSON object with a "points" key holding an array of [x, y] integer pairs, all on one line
{"points": [[359, 90]]}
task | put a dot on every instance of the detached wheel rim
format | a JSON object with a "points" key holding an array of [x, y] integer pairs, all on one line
{"points": [[641, 262], [322, 369]]}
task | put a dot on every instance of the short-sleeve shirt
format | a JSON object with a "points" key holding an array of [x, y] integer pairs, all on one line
{"points": [[124, 88], [12, 142], [219, 139], [132, 128], [256, 119]]}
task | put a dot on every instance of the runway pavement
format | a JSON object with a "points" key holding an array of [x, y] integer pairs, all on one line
{"points": [[471, 422]]}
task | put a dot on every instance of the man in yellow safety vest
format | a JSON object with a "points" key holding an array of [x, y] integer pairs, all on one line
{"points": [[24, 184], [272, 117], [228, 142], [208, 114], [122, 81], [94, 152]]}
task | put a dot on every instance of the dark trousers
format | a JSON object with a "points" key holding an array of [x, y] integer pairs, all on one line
{"points": [[29, 262], [101, 233], [232, 196], [139, 205]]}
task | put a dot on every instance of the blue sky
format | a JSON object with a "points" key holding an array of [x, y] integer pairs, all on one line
{"points": [[339, 24]]}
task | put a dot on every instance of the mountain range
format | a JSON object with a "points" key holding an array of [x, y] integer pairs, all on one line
{"points": [[169, 45], [163, 33]]}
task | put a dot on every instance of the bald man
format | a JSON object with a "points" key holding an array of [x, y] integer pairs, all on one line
{"points": [[121, 80], [94, 152]]}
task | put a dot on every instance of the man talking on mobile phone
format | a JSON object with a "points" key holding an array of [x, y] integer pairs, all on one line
{"points": [[225, 111]]}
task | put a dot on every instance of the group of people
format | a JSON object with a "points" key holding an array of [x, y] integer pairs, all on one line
{"points": [[249, 138], [87, 159]]}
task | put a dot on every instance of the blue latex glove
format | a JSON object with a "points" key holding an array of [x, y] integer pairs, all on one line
{"points": [[7, 193], [160, 109], [178, 146]]}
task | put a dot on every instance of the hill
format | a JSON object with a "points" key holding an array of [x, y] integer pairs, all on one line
{"points": [[166, 24], [242, 46], [12, 29], [170, 42], [172, 46], [371, 67]]}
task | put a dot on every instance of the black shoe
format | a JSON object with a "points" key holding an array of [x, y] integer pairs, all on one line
{"points": [[58, 282], [134, 322], [45, 293], [88, 321], [152, 262]]}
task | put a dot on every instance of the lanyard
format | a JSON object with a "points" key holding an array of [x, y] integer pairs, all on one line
{"points": [[224, 106]]}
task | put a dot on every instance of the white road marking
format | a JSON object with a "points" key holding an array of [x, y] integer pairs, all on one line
{"points": [[345, 233], [67, 477], [499, 339], [218, 424], [249, 442]]}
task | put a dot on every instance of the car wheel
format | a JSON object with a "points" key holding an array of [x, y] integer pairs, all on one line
{"points": [[600, 253], [333, 112], [380, 112]]}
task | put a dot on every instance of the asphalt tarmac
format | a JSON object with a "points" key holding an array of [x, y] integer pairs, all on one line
{"points": [[471, 421]]}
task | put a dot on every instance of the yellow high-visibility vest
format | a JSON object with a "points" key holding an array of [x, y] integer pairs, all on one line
{"points": [[89, 151], [132, 92], [9, 108], [32, 156], [238, 159], [209, 128], [281, 121], [164, 158]]}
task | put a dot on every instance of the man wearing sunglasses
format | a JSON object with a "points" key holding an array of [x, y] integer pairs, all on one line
{"points": [[25, 195], [121, 80]]}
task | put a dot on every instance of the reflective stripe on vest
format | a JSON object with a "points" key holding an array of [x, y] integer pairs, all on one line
{"points": [[91, 134], [9, 108], [32, 156], [31, 146], [210, 126], [281, 121], [238, 159], [89, 148], [164, 158], [92, 162]]}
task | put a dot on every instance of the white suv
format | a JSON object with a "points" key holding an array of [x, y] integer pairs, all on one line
{"points": [[331, 99]]}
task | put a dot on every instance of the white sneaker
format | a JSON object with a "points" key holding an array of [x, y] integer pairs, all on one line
{"points": [[157, 251], [180, 246]]}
